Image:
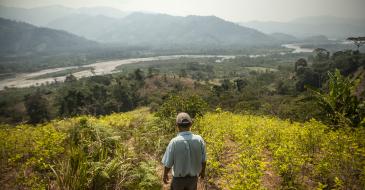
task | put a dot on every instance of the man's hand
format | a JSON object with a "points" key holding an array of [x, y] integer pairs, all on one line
{"points": [[202, 175], [166, 178], [165, 175]]}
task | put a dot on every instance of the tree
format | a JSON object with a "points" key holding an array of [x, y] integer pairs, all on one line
{"points": [[358, 41], [307, 77], [193, 105], [300, 63], [73, 100], [217, 90], [37, 107], [282, 87], [346, 62], [226, 84], [240, 84], [138, 75], [152, 71], [70, 78], [321, 54], [183, 73], [124, 94], [340, 104]]}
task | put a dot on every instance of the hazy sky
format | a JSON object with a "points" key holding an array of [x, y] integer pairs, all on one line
{"points": [[233, 10]]}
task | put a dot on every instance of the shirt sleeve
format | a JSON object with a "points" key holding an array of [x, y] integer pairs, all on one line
{"points": [[204, 151], [168, 157]]}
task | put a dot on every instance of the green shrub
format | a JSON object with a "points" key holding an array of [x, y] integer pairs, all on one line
{"points": [[144, 177]]}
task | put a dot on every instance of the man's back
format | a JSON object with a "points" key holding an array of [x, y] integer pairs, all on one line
{"points": [[185, 154]]}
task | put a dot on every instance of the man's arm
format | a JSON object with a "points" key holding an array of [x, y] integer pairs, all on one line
{"points": [[204, 159], [165, 175], [202, 173], [168, 161]]}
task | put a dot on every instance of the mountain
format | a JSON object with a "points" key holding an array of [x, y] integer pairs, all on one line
{"points": [[332, 27], [19, 37], [110, 25], [88, 26], [163, 30], [41, 16], [105, 11]]}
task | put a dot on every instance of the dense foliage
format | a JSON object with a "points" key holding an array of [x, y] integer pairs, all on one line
{"points": [[250, 152], [270, 85], [81, 153], [123, 151], [341, 105]]}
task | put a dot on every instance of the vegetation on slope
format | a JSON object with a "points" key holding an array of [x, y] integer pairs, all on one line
{"points": [[84, 152], [123, 151], [303, 155], [22, 38], [232, 84], [249, 149]]}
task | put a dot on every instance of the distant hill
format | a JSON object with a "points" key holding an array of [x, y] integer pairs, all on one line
{"points": [[88, 26], [19, 37], [105, 24], [41, 16], [332, 27], [37, 16], [105, 11], [163, 30], [284, 38]]}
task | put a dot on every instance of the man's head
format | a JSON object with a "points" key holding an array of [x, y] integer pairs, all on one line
{"points": [[183, 121]]}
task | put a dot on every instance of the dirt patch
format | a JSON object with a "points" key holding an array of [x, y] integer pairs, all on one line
{"points": [[231, 149], [271, 180]]}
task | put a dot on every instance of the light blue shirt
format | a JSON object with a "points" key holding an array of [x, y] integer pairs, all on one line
{"points": [[185, 154]]}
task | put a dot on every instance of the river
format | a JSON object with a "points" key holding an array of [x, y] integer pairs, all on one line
{"points": [[297, 48], [107, 67], [100, 68]]}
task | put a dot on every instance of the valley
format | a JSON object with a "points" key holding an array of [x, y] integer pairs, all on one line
{"points": [[90, 93], [108, 67]]}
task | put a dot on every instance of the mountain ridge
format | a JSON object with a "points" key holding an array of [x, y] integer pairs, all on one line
{"points": [[153, 29], [140, 28], [20, 37]]}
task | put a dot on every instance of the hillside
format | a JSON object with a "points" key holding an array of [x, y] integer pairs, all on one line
{"points": [[284, 38], [123, 151], [36, 16], [161, 29], [105, 24], [23, 38], [92, 25]]}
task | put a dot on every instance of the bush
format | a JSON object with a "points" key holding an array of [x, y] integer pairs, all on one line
{"points": [[193, 105], [340, 105], [79, 153]]}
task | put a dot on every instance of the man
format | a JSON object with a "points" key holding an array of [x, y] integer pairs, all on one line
{"points": [[186, 155]]}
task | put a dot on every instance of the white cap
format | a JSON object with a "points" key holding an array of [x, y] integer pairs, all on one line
{"points": [[183, 118]]}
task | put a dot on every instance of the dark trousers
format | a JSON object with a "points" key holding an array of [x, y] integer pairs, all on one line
{"points": [[184, 183]]}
